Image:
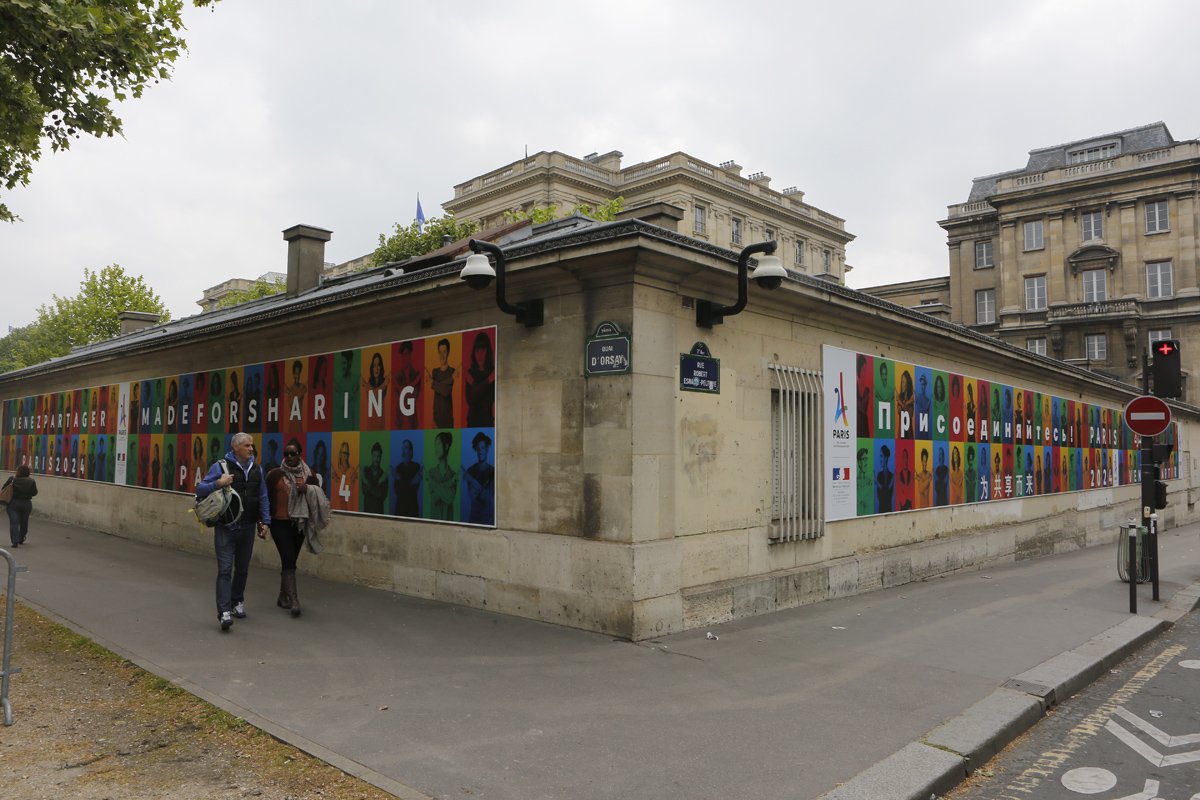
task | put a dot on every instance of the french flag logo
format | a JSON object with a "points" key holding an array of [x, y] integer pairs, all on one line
{"points": [[841, 473]]}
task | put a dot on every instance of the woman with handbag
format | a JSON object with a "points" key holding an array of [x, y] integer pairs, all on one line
{"points": [[20, 489], [299, 511]]}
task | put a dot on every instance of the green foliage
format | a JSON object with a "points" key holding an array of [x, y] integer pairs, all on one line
{"points": [[407, 242], [605, 212], [63, 63], [261, 288], [538, 214], [90, 316]]}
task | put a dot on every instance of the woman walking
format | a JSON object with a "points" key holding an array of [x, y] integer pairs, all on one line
{"points": [[299, 511], [24, 489]]}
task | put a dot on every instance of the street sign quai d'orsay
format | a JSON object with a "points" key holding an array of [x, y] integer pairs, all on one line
{"points": [[607, 351]]}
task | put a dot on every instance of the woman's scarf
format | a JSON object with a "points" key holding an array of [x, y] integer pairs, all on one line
{"points": [[308, 509]]}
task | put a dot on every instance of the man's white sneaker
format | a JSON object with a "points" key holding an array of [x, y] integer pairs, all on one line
{"points": [[239, 610], [226, 620]]}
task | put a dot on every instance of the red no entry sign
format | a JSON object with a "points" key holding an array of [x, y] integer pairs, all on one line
{"points": [[1147, 415]]}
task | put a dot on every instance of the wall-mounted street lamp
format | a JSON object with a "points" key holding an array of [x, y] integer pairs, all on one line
{"points": [[478, 273], [769, 274]]}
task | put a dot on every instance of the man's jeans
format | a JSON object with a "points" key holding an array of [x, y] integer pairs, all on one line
{"points": [[234, 545]]}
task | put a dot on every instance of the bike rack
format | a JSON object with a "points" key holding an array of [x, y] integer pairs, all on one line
{"points": [[6, 668]]}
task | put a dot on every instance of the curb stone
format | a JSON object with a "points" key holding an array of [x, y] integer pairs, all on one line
{"points": [[949, 753]]}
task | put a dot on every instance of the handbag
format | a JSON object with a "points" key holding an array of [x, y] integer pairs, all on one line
{"points": [[6, 494]]}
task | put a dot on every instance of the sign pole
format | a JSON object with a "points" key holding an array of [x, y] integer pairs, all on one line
{"points": [[1147, 459]]}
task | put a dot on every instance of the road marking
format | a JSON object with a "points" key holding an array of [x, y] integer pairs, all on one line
{"points": [[1149, 753], [1089, 780], [1150, 792], [1190, 664], [1052, 760], [1149, 729]]}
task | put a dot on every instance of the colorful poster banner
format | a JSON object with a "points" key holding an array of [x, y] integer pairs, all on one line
{"points": [[902, 437], [403, 429]]}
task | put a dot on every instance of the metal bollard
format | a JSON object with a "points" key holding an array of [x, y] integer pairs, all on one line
{"points": [[1152, 543], [6, 668], [1132, 569]]}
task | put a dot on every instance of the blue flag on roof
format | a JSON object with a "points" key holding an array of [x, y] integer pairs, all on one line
{"points": [[420, 216]]}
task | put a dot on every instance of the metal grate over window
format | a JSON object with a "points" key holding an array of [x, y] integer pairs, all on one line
{"points": [[797, 447]]}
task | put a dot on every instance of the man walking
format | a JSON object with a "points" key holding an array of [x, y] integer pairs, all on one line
{"points": [[234, 542]]}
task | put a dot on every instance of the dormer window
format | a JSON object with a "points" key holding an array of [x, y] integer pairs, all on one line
{"points": [[1093, 152]]}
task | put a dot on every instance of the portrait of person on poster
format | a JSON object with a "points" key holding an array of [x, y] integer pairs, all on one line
{"points": [[479, 483], [970, 476], [865, 482], [345, 480], [407, 483], [375, 482], [885, 481], [941, 478], [923, 401], [376, 375], [408, 387], [441, 380], [169, 467], [443, 480], [234, 416], [904, 404], [885, 399], [297, 389], [480, 378], [865, 393], [924, 479], [320, 462]]}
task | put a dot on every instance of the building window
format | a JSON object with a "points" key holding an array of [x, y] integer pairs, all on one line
{"points": [[1096, 153], [1097, 347], [1092, 224], [701, 219], [770, 235], [983, 254], [1156, 217], [1095, 285], [1035, 293], [985, 306], [1158, 335], [1033, 235], [735, 230], [1159, 282], [827, 260], [797, 453], [800, 253], [1037, 345]]}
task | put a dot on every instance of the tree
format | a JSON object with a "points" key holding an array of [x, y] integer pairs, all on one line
{"points": [[605, 212], [408, 241], [63, 63], [90, 316], [261, 288]]}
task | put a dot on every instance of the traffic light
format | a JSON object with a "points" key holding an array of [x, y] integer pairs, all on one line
{"points": [[1160, 494], [1168, 382]]}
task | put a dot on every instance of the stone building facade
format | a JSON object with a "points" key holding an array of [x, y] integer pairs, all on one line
{"points": [[627, 502], [1087, 254], [716, 203]]}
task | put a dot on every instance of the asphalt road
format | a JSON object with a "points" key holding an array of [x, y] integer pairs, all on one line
{"points": [[1133, 735]]}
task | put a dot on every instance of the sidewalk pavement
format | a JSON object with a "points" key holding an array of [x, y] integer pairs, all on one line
{"points": [[429, 700]]}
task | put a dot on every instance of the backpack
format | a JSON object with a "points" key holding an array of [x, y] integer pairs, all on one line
{"points": [[222, 507]]}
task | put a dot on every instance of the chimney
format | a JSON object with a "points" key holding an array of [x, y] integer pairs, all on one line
{"points": [[664, 215], [306, 257], [136, 320]]}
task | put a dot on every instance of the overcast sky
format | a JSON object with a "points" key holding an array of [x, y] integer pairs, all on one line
{"points": [[338, 114]]}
